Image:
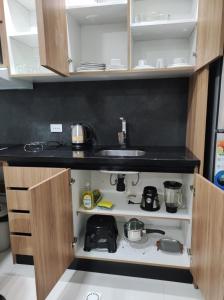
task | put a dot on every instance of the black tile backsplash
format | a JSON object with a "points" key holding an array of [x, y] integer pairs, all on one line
{"points": [[155, 111]]}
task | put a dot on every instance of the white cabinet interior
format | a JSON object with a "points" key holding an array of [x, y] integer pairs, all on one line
{"points": [[165, 31], [22, 35], [98, 33], [176, 226], [120, 33]]}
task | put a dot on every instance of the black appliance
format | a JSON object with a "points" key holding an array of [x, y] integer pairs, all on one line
{"points": [[101, 233], [150, 199]]}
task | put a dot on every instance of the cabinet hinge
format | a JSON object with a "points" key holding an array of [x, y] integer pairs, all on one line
{"points": [[69, 60], [195, 54], [192, 188], [72, 181], [74, 241], [189, 251]]}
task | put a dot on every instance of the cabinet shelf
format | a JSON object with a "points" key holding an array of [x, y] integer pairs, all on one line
{"points": [[28, 38], [105, 13], [108, 75], [163, 29], [140, 253], [122, 208], [28, 4]]}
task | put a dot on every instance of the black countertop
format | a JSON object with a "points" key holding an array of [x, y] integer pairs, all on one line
{"points": [[156, 159]]}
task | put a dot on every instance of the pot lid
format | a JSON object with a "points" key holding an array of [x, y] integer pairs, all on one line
{"points": [[3, 210]]}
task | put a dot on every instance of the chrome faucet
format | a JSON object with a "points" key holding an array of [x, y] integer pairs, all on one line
{"points": [[122, 135]]}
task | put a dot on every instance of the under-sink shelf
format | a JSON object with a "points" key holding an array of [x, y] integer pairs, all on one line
{"points": [[122, 208], [140, 253]]}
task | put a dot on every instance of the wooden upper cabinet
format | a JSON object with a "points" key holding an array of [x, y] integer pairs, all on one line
{"points": [[210, 39], [52, 33], [3, 39], [208, 239], [197, 114], [1, 11]]}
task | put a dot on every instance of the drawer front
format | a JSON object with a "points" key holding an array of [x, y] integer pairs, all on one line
{"points": [[27, 177], [18, 200], [19, 222], [21, 245]]}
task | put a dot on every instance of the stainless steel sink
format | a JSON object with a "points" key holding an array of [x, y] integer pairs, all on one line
{"points": [[122, 153]]}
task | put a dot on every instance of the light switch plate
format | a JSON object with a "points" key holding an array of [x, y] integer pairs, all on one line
{"points": [[56, 127]]}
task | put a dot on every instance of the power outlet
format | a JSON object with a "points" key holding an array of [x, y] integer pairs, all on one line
{"points": [[56, 127]]}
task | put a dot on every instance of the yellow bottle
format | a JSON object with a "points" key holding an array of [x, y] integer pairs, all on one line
{"points": [[90, 198]]}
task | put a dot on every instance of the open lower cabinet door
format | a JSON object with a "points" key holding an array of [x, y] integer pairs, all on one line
{"points": [[52, 33], [210, 41], [52, 231], [208, 239]]}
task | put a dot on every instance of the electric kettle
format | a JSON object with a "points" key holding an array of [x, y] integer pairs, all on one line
{"points": [[82, 136]]}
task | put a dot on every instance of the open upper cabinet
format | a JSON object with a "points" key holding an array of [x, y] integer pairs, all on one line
{"points": [[22, 37], [6, 82], [163, 33], [3, 41], [126, 37]]}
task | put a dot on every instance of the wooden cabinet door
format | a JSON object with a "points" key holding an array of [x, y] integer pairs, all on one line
{"points": [[52, 231], [52, 33], [208, 239], [210, 39], [197, 114], [3, 39]]}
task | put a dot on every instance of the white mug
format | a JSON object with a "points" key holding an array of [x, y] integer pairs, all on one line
{"points": [[141, 63], [160, 63], [179, 61]]}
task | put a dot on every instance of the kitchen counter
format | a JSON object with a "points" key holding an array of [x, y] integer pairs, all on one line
{"points": [[156, 159]]}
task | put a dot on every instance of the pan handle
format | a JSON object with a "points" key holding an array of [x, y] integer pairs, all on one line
{"points": [[155, 231]]}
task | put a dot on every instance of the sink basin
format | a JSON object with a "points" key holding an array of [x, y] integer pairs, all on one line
{"points": [[122, 153]]}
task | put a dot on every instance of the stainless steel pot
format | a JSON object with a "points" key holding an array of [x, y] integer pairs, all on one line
{"points": [[134, 230]]}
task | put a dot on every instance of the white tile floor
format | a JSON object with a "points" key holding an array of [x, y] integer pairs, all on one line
{"points": [[17, 283]]}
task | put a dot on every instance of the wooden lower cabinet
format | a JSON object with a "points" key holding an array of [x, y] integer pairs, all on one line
{"points": [[41, 224], [40, 206], [208, 239]]}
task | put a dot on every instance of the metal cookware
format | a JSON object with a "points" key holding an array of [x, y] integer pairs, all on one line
{"points": [[134, 230], [170, 245]]}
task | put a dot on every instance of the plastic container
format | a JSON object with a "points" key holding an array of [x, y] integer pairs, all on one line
{"points": [[90, 198], [4, 228]]}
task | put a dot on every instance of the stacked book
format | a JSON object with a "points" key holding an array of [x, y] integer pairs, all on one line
{"points": [[91, 67]]}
